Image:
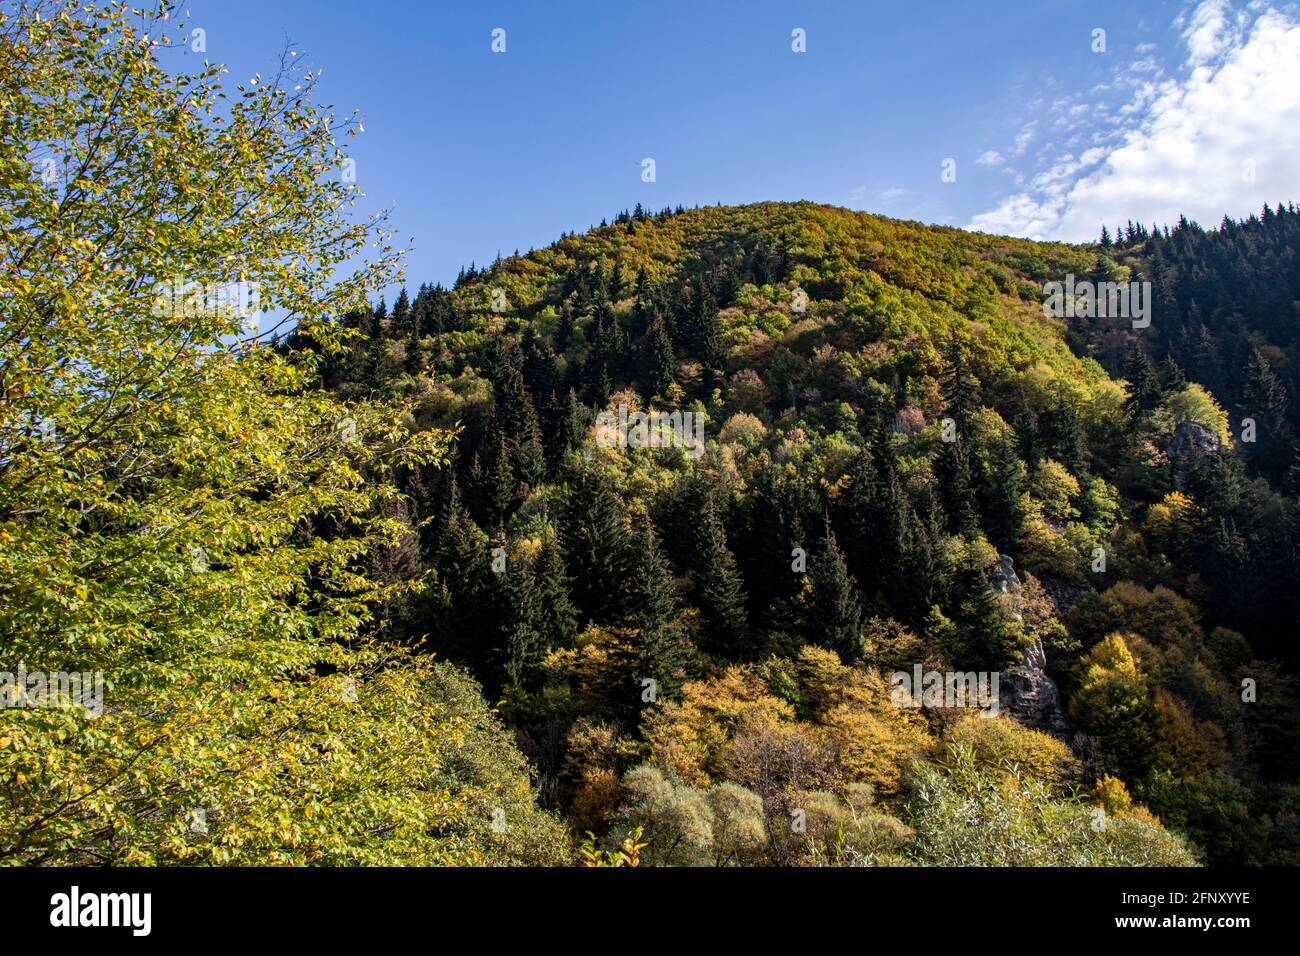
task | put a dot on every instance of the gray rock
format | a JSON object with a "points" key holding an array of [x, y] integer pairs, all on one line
{"points": [[1191, 440], [1026, 692]]}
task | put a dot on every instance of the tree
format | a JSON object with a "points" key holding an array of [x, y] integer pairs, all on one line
{"points": [[401, 317], [521, 637], [196, 527], [954, 468], [660, 363], [596, 540], [1266, 401], [559, 618], [1113, 703], [1144, 388], [1005, 514], [662, 650], [724, 627], [835, 612]]}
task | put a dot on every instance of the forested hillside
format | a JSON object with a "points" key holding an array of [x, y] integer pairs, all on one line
{"points": [[905, 464]]}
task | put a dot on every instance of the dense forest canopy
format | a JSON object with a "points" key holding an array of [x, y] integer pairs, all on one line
{"points": [[906, 462]]}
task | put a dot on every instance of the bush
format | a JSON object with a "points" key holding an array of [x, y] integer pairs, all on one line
{"points": [[973, 816]]}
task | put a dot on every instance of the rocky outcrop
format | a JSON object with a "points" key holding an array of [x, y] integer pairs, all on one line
{"points": [[1025, 691], [1191, 440], [1030, 696]]}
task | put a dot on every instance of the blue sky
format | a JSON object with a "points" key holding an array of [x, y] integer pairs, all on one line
{"points": [[1192, 106]]}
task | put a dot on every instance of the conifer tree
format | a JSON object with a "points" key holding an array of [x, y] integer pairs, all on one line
{"points": [[663, 652], [460, 598], [708, 331], [559, 618], [660, 363], [520, 621], [835, 611], [721, 597], [503, 485], [401, 314], [958, 490], [1005, 514], [1144, 385], [1266, 401], [597, 544]]}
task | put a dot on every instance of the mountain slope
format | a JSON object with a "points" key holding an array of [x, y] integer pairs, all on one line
{"points": [[886, 410]]}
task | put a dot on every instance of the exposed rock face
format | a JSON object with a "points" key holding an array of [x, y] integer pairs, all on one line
{"points": [[1191, 439], [1030, 696], [1025, 691], [1004, 578]]}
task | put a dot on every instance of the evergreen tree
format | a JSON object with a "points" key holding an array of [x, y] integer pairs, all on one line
{"points": [[660, 363], [565, 425], [597, 543], [1063, 438], [503, 486], [1266, 401], [721, 597], [957, 489], [1143, 383], [835, 612], [459, 598], [961, 395], [520, 622], [662, 650], [559, 618], [401, 314], [1005, 513], [1172, 378], [984, 640]]}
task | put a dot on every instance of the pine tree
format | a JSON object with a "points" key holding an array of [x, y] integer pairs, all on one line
{"points": [[1063, 438], [1266, 401], [954, 472], [514, 416], [597, 543], [720, 594], [401, 314], [662, 650], [984, 640], [708, 332], [503, 486], [660, 363], [559, 618], [1172, 378], [520, 622], [459, 600], [961, 394], [835, 611], [565, 424], [1144, 385], [1005, 514]]}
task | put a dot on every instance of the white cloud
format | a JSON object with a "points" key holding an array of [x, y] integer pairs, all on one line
{"points": [[1210, 31], [1023, 138], [990, 157], [1182, 146]]}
